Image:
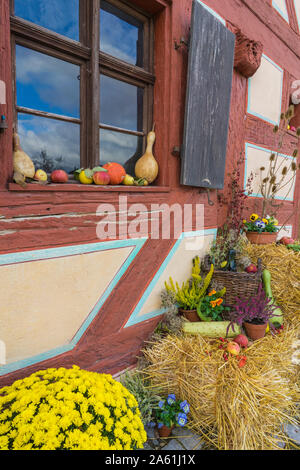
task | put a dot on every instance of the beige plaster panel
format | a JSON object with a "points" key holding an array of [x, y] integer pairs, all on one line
{"points": [[257, 158], [179, 268], [281, 5], [265, 92], [297, 8], [44, 303]]}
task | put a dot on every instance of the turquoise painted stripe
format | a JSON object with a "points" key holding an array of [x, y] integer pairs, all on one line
{"points": [[50, 253], [135, 318], [284, 14], [254, 113], [213, 12], [247, 145]]}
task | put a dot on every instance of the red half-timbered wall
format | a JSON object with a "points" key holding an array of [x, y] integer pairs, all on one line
{"points": [[40, 218]]}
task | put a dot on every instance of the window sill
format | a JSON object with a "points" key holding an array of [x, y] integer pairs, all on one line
{"points": [[74, 187]]}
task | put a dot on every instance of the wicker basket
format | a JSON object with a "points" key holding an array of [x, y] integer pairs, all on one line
{"points": [[238, 284]]}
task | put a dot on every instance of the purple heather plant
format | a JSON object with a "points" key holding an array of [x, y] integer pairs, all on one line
{"points": [[256, 309]]}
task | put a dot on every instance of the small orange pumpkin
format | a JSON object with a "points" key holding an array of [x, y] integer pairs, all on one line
{"points": [[116, 172]]}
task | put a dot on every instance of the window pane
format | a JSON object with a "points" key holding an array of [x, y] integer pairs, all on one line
{"points": [[47, 84], [121, 35], [51, 144], [60, 16], [121, 148], [121, 104]]}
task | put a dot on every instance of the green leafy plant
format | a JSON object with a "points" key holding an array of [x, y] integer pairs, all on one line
{"points": [[146, 396], [191, 292], [172, 412], [212, 307]]}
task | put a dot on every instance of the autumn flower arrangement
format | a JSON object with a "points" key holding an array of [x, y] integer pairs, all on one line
{"points": [[260, 224], [69, 409], [212, 308]]}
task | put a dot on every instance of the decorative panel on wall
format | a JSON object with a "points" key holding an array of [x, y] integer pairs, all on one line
{"points": [[265, 91], [258, 157], [50, 297], [297, 8], [280, 6], [178, 265]]}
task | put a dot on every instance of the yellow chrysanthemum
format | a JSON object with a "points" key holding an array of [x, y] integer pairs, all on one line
{"points": [[69, 409]]}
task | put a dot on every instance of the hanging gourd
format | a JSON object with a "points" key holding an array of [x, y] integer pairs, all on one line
{"points": [[147, 167], [22, 163]]}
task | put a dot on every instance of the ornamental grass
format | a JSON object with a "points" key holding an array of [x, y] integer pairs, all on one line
{"points": [[231, 408], [69, 409]]}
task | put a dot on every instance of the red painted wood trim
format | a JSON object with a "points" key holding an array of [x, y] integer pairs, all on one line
{"points": [[5, 75], [88, 188]]}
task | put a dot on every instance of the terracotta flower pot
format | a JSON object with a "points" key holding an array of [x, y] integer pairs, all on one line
{"points": [[263, 238], [255, 331], [165, 431], [190, 315]]}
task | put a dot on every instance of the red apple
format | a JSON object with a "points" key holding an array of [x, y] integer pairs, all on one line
{"points": [[251, 268], [241, 340], [59, 176], [286, 241], [233, 348], [101, 177]]}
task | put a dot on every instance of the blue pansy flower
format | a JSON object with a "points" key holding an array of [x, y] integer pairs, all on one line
{"points": [[181, 419], [161, 403], [185, 406], [171, 399], [260, 224], [160, 425]]}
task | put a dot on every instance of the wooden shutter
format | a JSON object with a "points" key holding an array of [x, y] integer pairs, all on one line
{"points": [[210, 68]]}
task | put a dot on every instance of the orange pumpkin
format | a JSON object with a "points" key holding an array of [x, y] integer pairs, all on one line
{"points": [[116, 172]]}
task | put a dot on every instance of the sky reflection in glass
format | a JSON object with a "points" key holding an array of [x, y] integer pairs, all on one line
{"points": [[121, 35], [120, 104], [47, 84], [59, 16], [121, 148], [50, 143]]}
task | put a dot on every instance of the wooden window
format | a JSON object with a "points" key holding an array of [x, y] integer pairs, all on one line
{"points": [[209, 85], [83, 81]]}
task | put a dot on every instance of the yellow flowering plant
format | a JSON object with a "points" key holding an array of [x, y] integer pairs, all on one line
{"points": [[69, 409]]}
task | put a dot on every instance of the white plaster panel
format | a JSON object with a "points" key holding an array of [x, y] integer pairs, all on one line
{"points": [[265, 91], [257, 158], [179, 268], [280, 6]]}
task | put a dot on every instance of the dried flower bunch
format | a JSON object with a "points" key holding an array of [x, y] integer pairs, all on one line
{"points": [[281, 173]]}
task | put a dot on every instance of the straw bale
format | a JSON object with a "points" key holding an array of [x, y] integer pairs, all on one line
{"points": [[284, 266], [232, 408]]}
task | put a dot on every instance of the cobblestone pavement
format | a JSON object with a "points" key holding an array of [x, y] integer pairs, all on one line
{"points": [[185, 439]]}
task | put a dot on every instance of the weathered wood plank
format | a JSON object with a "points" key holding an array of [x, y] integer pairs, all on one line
{"points": [[210, 73]]}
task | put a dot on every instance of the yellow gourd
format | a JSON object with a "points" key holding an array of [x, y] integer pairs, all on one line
{"points": [[147, 167], [23, 165]]}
